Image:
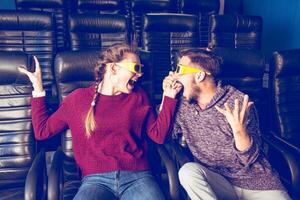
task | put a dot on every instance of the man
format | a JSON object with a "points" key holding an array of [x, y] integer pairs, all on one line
{"points": [[221, 128]]}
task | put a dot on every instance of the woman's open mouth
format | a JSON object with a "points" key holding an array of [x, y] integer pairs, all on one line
{"points": [[132, 82]]}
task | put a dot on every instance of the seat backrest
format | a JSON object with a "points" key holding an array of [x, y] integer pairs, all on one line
{"points": [[100, 6], [72, 72], [141, 7], [245, 69], [17, 143], [58, 8], [96, 31], [236, 31], [164, 34], [31, 32], [203, 9], [285, 90]]}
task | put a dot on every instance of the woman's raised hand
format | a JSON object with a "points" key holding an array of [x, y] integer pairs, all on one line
{"points": [[171, 87], [35, 77]]}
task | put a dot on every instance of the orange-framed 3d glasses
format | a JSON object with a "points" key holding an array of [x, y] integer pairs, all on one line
{"points": [[131, 66], [183, 69]]}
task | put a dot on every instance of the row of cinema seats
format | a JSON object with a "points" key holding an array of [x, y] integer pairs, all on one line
{"points": [[133, 10], [36, 33], [22, 169]]}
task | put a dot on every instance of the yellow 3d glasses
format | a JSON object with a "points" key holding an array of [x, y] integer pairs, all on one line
{"points": [[183, 69], [131, 66]]}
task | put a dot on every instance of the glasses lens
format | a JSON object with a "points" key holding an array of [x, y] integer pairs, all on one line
{"points": [[138, 68], [177, 69]]}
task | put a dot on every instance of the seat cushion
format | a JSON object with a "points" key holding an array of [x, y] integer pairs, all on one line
{"points": [[70, 189], [12, 193]]}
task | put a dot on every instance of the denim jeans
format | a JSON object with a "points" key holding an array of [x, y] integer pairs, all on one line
{"points": [[123, 185]]}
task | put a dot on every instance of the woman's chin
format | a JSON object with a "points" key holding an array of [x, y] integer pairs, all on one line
{"points": [[128, 89]]}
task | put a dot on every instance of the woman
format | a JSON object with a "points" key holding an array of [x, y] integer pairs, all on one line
{"points": [[109, 123]]}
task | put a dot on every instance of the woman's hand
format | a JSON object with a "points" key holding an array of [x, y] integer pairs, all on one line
{"points": [[171, 86], [35, 77]]}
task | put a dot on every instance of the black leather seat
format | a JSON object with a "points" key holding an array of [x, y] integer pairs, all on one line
{"points": [[236, 31], [100, 6], [245, 70], [203, 9], [22, 168], [59, 10], [163, 35], [64, 176], [141, 7], [285, 88], [96, 31], [31, 32]]}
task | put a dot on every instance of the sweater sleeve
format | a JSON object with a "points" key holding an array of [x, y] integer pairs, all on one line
{"points": [[44, 124], [250, 155], [158, 128]]}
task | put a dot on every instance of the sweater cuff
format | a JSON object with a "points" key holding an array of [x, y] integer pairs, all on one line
{"points": [[169, 102], [246, 155], [36, 101]]}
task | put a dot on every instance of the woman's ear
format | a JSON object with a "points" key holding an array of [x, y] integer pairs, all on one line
{"points": [[113, 68], [200, 76]]}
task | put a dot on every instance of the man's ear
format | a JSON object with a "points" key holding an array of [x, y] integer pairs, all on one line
{"points": [[200, 76]]}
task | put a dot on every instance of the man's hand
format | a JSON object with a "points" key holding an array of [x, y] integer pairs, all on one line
{"points": [[236, 119]]}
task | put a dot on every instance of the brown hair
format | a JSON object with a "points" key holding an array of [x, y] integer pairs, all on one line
{"points": [[114, 53], [205, 59]]}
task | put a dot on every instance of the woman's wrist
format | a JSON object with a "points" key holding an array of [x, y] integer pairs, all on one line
{"points": [[38, 93], [170, 94]]}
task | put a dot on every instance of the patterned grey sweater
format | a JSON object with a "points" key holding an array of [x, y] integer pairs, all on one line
{"points": [[210, 139]]}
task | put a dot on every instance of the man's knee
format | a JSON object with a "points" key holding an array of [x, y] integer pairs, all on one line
{"points": [[190, 171]]}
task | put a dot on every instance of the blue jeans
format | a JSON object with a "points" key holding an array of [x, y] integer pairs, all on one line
{"points": [[123, 185]]}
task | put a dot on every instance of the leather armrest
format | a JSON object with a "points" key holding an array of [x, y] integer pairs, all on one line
{"points": [[54, 175], [36, 183], [171, 171], [292, 160], [180, 154]]}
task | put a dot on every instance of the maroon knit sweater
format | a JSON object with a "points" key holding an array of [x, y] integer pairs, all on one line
{"points": [[123, 123]]}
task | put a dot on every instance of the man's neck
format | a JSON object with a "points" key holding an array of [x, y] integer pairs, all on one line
{"points": [[207, 92]]}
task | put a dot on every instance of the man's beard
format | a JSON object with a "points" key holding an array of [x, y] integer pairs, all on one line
{"points": [[194, 94]]}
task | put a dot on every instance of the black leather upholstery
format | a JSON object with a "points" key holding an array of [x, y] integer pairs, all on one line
{"points": [[31, 32], [284, 87], [236, 31], [244, 69], [163, 35], [58, 8], [284, 76], [100, 6], [97, 31], [141, 7], [20, 166], [203, 9], [72, 72]]}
